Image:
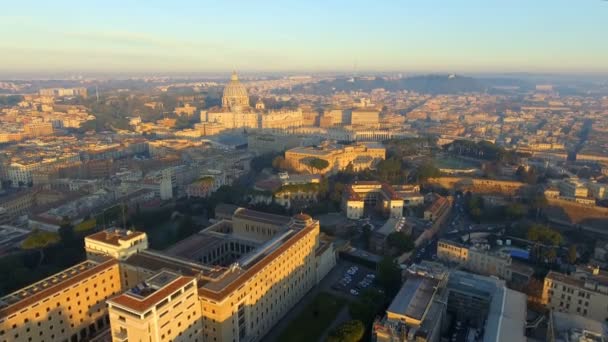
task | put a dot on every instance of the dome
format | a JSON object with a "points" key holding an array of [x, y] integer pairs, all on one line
{"points": [[235, 94]]}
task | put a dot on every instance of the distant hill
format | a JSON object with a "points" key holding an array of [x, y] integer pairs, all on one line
{"points": [[429, 84]]}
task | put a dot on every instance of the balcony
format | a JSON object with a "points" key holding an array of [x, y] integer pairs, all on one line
{"points": [[120, 335]]}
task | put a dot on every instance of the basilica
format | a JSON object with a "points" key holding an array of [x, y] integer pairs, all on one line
{"points": [[236, 113]]}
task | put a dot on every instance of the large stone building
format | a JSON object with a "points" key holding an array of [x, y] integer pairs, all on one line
{"points": [[68, 306], [483, 260], [230, 282], [420, 310], [360, 196], [360, 156], [236, 113], [583, 293]]}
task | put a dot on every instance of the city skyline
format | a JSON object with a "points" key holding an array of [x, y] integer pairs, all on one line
{"points": [[465, 37]]}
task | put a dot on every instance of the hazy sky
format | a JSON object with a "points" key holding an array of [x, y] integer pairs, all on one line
{"points": [[220, 35]]}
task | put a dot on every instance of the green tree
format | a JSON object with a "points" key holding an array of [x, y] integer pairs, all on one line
{"points": [[39, 240], [316, 164], [544, 234], [366, 234], [427, 170], [186, 227], [351, 331], [572, 254], [389, 276], [401, 242], [515, 211]]}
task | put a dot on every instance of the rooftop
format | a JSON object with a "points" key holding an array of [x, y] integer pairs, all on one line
{"points": [[38, 291], [574, 328], [114, 236], [152, 291], [414, 297], [262, 217]]}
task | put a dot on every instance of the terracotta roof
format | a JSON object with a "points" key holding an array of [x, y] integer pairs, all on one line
{"points": [[60, 286], [128, 301], [250, 272]]}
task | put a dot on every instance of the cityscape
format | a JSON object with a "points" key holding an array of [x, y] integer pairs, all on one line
{"points": [[261, 171]]}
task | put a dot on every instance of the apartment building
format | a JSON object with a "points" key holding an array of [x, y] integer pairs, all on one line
{"points": [[68, 306], [484, 260], [583, 293]]}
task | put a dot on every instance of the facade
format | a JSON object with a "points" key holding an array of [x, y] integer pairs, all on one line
{"points": [[482, 260], [365, 117], [583, 293], [116, 243], [573, 188], [165, 307], [361, 156], [281, 120], [68, 306], [371, 194]]}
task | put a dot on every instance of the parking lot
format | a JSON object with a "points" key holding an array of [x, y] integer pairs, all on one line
{"points": [[355, 279]]}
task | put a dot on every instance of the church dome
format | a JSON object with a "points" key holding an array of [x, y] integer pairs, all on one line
{"points": [[235, 94]]}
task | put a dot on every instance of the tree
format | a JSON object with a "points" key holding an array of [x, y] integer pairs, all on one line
{"points": [[572, 254], [39, 240], [401, 242], [389, 276], [186, 227], [544, 234], [515, 211], [317, 164], [351, 331], [366, 234], [427, 170]]}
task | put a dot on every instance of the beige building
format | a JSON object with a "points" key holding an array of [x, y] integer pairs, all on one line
{"points": [[361, 156], [116, 243], [230, 282], [68, 306], [165, 307], [583, 293], [480, 259], [281, 120], [365, 117], [373, 195], [249, 271]]}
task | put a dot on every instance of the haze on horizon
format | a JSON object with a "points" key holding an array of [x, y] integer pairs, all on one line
{"points": [[563, 36]]}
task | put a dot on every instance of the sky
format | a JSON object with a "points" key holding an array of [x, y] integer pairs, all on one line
{"points": [[562, 36]]}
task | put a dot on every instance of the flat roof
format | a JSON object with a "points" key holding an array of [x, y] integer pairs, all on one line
{"points": [[414, 297], [151, 292], [36, 292], [247, 214], [114, 236]]}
